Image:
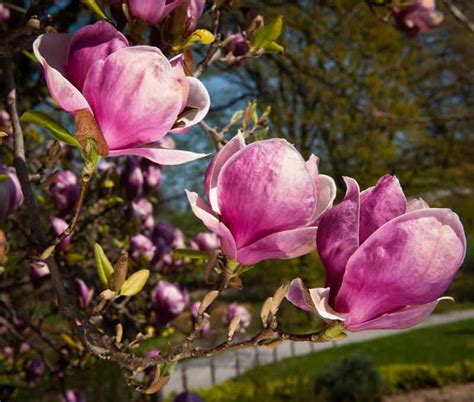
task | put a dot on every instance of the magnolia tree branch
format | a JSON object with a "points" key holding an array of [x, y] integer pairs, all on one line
{"points": [[214, 51], [459, 15]]}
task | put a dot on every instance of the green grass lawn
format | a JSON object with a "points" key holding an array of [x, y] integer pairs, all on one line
{"points": [[440, 345], [424, 357]]}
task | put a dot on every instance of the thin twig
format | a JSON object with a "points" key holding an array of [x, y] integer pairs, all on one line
{"points": [[216, 136], [459, 15]]}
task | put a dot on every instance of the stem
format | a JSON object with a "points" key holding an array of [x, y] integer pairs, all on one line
{"points": [[216, 136], [75, 218], [213, 52], [459, 15]]}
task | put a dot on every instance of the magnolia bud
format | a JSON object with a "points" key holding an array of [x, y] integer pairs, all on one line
{"points": [[234, 324], [265, 311], [207, 301]]}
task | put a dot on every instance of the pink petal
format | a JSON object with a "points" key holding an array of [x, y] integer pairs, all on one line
{"points": [[162, 156], [204, 213], [320, 298], [327, 194], [338, 236], [416, 204], [147, 10], [406, 317], [51, 50], [263, 189], [177, 63], [88, 45], [281, 245], [212, 173], [135, 103], [382, 203], [199, 102], [409, 261], [299, 296]]}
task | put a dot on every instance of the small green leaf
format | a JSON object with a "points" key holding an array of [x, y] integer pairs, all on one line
{"points": [[58, 131], [105, 270], [274, 47], [268, 33], [94, 7], [190, 253], [199, 35], [134, 284], [167, 368], [30, 55]]}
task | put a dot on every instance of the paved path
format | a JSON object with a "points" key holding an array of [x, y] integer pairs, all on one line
{"points": [[199, 371]]}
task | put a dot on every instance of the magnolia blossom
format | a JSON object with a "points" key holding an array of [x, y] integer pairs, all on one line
{"points": [[34, 369], [205, 242], [142, 246], [387, 260], [135, 94], [421, 16], [11, 196], [263, 200], [142, 209], [39, 272], [236, 309], [187, 396], [72, 395], [238, 46], [168, 301], [4, 14], [59, 226], [5, 122], [133, 178], [193, 13], [152, 11], [167, 238], [194, 314], [152, 177], [85, 294], [65, 190]]}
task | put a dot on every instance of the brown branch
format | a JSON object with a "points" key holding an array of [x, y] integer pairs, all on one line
{"points": [[216, 136], [214, 51], [459, 15]]}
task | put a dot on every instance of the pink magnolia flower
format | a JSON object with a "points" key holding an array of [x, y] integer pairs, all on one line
{"points": [[133, 178], [65, 190], [422, 16], [142, 209], [59, 226], [194, 314], [168, 301], [4, 14], [205, 242], [39, 272], [85, 294], [264, 200], [238, 46], [152, 11], [34, 369], [193, 14], [73, 395], [5, 122], [11, 196], [187, 396], [142, 246], [135, 94], [235, 309], [152, 176], [387, 261]]}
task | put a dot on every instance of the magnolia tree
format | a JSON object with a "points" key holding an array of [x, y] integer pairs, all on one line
{"points": [[80, 238]]}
